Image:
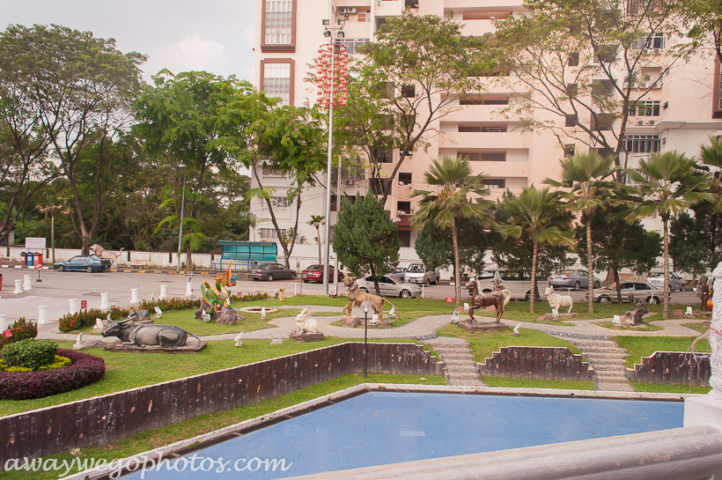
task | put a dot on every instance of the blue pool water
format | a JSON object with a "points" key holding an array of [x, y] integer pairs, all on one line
{"points": [[388, 427]]}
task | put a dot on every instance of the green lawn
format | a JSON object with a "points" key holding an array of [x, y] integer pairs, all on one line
{"points": [[659, 388], [484, 344], [638, 347], [133, 370], [700, 327], [529, 383], [207, 423], [645, 327]]}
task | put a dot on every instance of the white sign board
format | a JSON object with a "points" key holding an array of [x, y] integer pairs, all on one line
{"points": [[34, 243]]}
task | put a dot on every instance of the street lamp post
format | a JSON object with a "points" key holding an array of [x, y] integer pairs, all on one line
{"points": [[329, 80], [366, 340], [180, 230]]}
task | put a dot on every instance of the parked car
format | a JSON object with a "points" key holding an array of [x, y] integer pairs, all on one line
{"points": [[398, 274], [418, 273], [389, 286], [314, 273], [80, 263], [676, 281], [573, 278], [631, 292], [517, 283], [271, 272]]}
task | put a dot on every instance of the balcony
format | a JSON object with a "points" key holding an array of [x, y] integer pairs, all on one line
{"points": [[475, 113], [501, 169], [461, 5], [388, 8], [496, 140], [403, 221]]}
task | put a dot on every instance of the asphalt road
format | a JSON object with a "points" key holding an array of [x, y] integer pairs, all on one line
{"points": [[55, 290]]}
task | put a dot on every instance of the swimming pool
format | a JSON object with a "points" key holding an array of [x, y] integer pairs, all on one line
{"points": [[379, 428]]}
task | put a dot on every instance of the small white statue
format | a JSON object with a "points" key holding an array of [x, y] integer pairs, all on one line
{"points": [[305, 324], [158, 312], [78, 342], [516, 329], [263, 313], [556, 301], [237, 341], [98, 327]]}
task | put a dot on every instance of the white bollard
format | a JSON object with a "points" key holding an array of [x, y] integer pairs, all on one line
{"points": [[189, 289], [18, 287], [104, 305], [134, 296], [42, 315], [27, 282], [74, 306], [4, 324], [163, 291]]}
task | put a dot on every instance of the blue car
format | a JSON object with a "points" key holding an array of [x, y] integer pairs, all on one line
{"points": [[83, 263]]}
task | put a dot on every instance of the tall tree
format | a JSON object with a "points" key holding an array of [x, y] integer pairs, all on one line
{"points": [[436, 249], [703, 24], [452, 205], [581, 69], [365, 239], [618, 244], [80, 89], [669, 183], [695, 239], [186, 121], [588, 175], [415, 71], [538, 215], [711, 156], [317, 221]]}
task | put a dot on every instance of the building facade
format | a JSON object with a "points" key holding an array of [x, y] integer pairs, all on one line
{"points": [[681, 111]]}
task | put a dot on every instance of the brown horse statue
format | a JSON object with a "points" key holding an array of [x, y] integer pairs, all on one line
{"points": [[498, 298]]}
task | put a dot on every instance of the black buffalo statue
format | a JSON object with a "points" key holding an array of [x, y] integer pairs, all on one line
{"points": [[139, 335]]}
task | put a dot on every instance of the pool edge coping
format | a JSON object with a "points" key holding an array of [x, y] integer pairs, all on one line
{"points": [[246, 426]]}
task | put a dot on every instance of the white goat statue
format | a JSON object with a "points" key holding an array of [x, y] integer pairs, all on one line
{"points": [[305, 324], [556, 301]]}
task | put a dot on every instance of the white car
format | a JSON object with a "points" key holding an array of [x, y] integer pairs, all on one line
{"points": [[676, 282], [389, 286], [417, 273]]}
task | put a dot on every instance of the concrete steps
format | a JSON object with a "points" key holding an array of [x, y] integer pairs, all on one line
{"points": [[607, 359], [459, 365]]}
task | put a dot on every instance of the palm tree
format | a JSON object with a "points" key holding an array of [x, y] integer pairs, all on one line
{"points": [[317, 221], [588, 175], [450, 206], [712, 155], [668, 184], [538, 215]]}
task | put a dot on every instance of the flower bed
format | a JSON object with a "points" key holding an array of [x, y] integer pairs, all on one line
{"points": [[84, 370]]}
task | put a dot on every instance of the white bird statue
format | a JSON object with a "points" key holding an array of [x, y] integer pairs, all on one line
{"points": [[237, 341], [516, 329]]}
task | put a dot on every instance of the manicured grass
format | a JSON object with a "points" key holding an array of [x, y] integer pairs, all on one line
{"points": [[483, 345], [659, 388], [645, 327], [638, 347], [207, 423], [529, 383], [700, 327], [133, 370]]}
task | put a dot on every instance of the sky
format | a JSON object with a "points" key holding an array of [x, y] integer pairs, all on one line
{"points": [[180, 35]]}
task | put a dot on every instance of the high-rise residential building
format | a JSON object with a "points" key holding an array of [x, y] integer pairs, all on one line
{"points": [[682, 109]]}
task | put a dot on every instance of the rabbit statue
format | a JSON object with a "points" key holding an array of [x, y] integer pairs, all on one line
{"points": [[305, 324]]}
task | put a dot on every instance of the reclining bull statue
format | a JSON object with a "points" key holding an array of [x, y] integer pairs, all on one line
{"points": [[139, 335]]}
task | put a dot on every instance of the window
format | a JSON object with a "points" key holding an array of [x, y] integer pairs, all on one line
{"points": [[572, 89], [574, 59], [471, 156], [477, 100], [653, 42], [632, 7], [408, 91], [279, 202], [602, 121], [377, 183], [269, 171], [648, 108], [352, 44], [605, 54], [279, 32], [496, 101], [486, 15], [470, 101], [641, 143], [494, 129], [405, 238], [404, 178], [403, 208], [381, 156], [493, 156], [494, 182], [267, 233], [571, 120], [469, 128], [569, 150], [277, 79]]}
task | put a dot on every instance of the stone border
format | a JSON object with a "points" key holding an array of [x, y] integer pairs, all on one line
{"points": [[539, 363], [672, 368]]}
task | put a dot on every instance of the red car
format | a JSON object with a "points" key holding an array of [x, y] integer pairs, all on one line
{"points": [[314, 273]]}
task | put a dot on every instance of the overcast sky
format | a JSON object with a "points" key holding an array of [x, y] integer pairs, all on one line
{"points": [[181, 35]]}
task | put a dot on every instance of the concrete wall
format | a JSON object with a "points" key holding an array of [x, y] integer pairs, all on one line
{"points": [[110, 418], [542, 363], [672, 368]]}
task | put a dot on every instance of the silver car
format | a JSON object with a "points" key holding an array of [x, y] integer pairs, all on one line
{"points": [[573, 278], [676, 282], [631, 292], [389, 286]]}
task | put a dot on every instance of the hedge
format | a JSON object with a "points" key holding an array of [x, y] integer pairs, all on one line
{"points": [[84, 370]]}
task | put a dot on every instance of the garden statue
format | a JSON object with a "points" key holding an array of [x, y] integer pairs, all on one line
{"points": [[557, 301], [498, 299], [138, 335], [305, 324], [99, 251], [357, 297], [215, 296]]}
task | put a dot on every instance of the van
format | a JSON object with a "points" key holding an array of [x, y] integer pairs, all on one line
{"points": [[516, 282]]}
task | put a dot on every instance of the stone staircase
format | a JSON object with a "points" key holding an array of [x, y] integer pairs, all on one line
{"points": [[459, 365], [607, 359]]}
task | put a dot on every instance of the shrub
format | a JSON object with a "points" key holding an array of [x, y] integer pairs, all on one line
{"points": [[20, 330], [58, 362], [29, 353], [84, 370], [80, 320]]}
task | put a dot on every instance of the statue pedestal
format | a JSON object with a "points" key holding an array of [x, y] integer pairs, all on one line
{"points": [[306, 337], [482, 327], [119, 347], [703, 410]]}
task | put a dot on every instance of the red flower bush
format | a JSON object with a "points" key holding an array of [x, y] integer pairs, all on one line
{"points": [[84, 370]]}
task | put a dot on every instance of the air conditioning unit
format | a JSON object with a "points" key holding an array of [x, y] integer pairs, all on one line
{"points": [[644, 85], [656, 51], [348, 182], [651, 123], [347, 10], [640, 122]]}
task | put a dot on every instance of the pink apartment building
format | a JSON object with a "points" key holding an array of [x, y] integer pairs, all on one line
{"points": [[683, 109]]}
